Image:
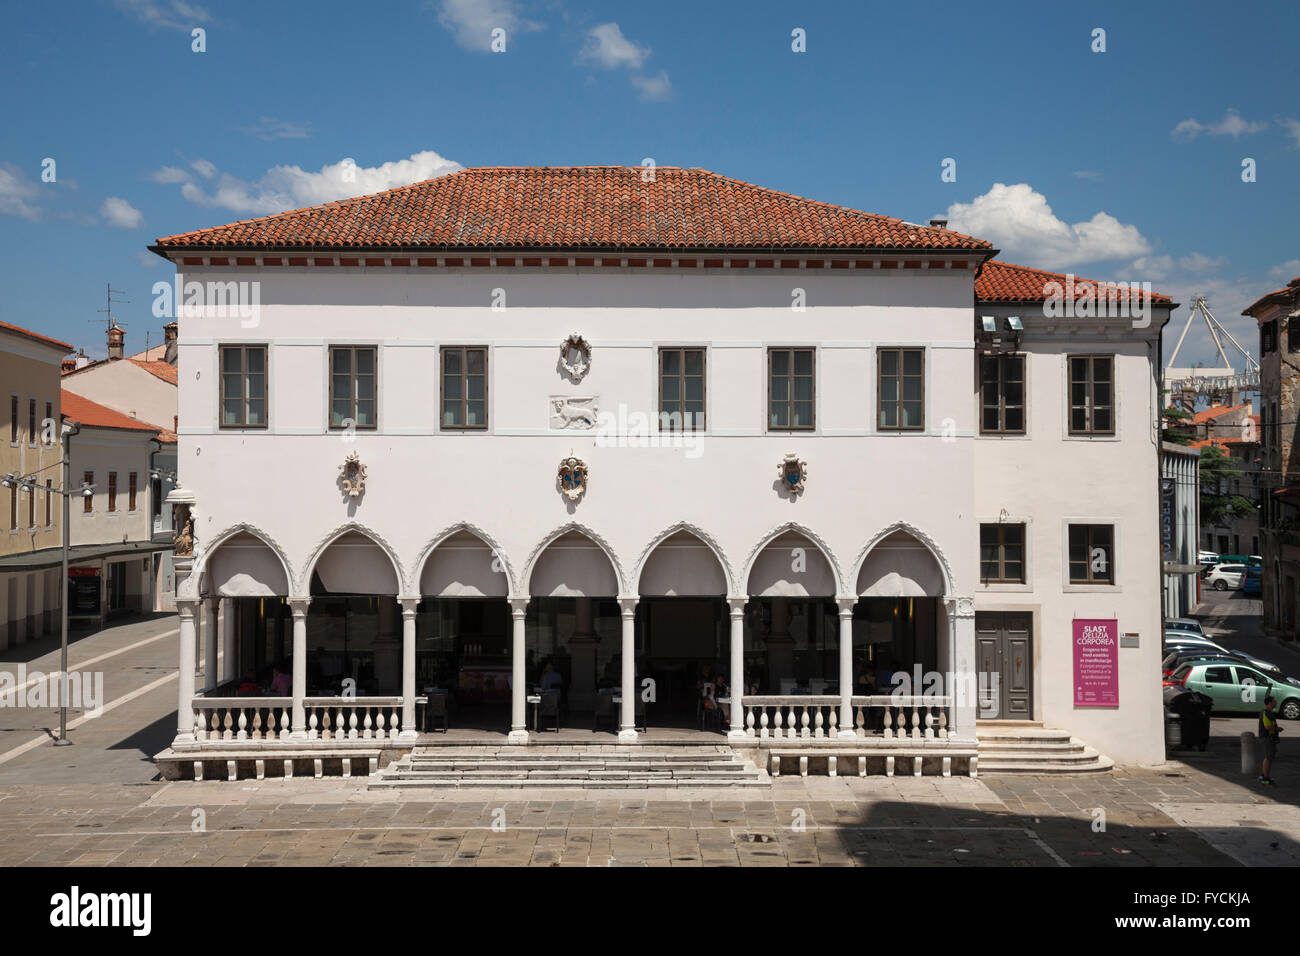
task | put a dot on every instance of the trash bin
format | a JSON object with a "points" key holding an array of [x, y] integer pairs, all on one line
{"points": [[1187, 719]]}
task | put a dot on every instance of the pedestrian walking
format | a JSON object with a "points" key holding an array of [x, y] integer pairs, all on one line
{"points": [[1269, 728]]}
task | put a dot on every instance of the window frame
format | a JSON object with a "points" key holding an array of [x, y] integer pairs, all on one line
{"points": [[49, 499], [31, 421], [898, 400], [1090, 430], [131, 488], [681, 351], [112, 492], [49, 416], [1001, 527], [88, 500], [13, 508], [1001, 429], [790, 351], [14, 439], [1089, 525], [464, 400], [243, 348], [352, 386]]}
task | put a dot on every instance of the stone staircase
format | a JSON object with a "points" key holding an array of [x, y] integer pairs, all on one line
{"points": [[1026, 747], [576, 766]]}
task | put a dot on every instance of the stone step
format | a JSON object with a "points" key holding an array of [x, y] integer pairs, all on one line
{"points": [[1099, 765], [470, 766], [1029, 746], [580, 783]]}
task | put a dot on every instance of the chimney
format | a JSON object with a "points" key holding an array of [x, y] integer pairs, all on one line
{"points": [[115, 336], [69, 364], [81, 359], [169, 342], [939, 222]]}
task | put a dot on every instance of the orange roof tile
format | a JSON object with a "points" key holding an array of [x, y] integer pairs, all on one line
{"points": [[95, 415], [1276, 296], [162, 370], [1216, 411], [582, 207], [1004, 282], [36, 335]]}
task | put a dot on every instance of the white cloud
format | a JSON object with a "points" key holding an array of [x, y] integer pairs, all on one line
{"points": [[653, 87], [1019, 221], [291, 187], [1286, 271], [1160, 268], [205, 169], [120, 213], [471, 22], [1231, 125], [607, 47], [17, 193], [168, 175], [169, 14], [1292, 127], [269, 128]]}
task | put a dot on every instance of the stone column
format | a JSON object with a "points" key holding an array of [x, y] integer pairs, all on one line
{"points": [[846, 606], [627, 710], [228, 631], [186, 610], [518, 677], [409, 730], [298, 724], [960, 612], [736, 679], [210, 644]]}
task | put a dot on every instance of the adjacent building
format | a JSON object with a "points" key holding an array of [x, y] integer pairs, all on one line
{"points": [[1278, 317], [625, 432]]}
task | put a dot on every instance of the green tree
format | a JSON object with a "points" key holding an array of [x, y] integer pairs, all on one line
{"points": [[1218, 504], [1176, 426]]}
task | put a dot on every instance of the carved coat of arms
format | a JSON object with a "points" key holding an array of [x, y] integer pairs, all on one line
{"points": [[573, 477], [793, 472], [575, 355], [352, 476]]}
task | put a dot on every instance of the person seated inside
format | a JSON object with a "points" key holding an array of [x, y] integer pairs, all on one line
{"points": [[281, 682], [248, 686], [551, 678]]}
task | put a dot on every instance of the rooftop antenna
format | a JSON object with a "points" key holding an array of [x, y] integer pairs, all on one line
{"points": [[110, 302]]}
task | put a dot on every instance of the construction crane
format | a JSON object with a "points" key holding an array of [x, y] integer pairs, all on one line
{"points": [[1224, 384]]}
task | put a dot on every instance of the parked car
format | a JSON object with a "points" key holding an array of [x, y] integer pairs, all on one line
{"points": [[1207, 558], [1225, 577], [1251, 582], [1182, 655], [1174, 639], [1250, 560], [1237, 688], [1184, 624], [1271, 669]]}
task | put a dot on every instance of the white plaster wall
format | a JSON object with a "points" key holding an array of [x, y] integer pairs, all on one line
{"points": [[126, 388], [102, 450]]}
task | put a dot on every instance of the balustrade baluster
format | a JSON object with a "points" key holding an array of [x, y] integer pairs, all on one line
{"points": [[929, 720], [352, 724], [817, 721], [832, 722], [888, 721], [803, 721], [762, 722], [916, 721], [943, 721], [366, 731], [749, 720]]}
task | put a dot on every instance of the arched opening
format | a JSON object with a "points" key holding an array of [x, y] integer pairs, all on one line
{"points": [[462, 635], [791, 622], [574, 627], [899, 616], [251, 583], [354, 625], [683, 637]]}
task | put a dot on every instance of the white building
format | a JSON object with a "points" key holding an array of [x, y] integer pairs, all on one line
{"points": [[497, 347]]}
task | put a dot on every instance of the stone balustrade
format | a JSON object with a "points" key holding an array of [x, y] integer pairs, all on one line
{"points": [[802, 716], [353, 718], [242, 718]]}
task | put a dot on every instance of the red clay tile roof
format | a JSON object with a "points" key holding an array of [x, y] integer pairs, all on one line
{"points": [[95, 415], [582, 207], [1276, 296], [1216, 411], [34, 335], [1004, 282], [160, 370]]}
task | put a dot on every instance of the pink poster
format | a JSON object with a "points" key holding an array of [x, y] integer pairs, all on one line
{"points": [[1096, 663]]}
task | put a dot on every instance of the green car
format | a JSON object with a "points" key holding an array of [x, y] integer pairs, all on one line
{"points": [[1237, 688]]}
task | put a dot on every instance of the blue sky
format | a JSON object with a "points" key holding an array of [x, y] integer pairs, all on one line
{"points": [[1123, 164]]}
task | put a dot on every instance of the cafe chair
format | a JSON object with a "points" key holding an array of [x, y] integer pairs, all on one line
{"points": [[550, 707], [604, 710], [435, 709]]}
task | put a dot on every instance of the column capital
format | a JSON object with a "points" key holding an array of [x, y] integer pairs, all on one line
{"points": [[627, 605], [298, 605], [187, 607], [408, 605], [736, 605], [519, 606], [846, 605]]}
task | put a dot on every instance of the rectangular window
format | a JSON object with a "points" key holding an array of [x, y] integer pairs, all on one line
{"points": [[352, 386], [13, 507], [1002, 553], [243, 386], [901, 389], [1002, 394], [88, 501], [49, 417], [31, 507], [1268, 337], [1293, 334], [130, 485], [112, 491], [1092, 554], [1092, 394], [464, 387], [790, 389], [681, 389], [49, 496], [155, 496], [31, 421], [13, 419]]}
